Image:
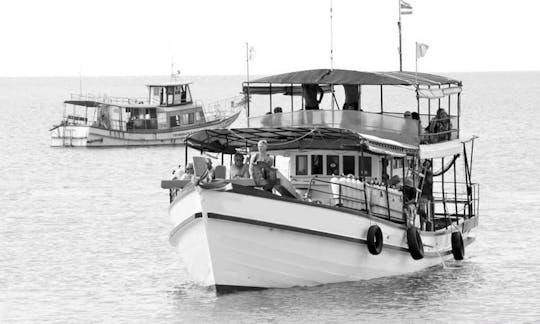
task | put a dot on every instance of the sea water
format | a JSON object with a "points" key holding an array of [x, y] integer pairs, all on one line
{"points": [[84, 232]]}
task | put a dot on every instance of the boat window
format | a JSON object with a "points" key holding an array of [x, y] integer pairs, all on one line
{"points": [[366, 163], [185, 119], [191, 118], [348, 164], [332, 164], [198, 116], [316, 164], [301, 165]]}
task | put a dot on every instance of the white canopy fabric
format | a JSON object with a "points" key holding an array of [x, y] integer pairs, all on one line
{"points": [[438, 93], [439, 150]]}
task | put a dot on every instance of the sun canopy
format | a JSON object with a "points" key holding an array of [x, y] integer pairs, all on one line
{"points": [[327, 76], [343, 130]]}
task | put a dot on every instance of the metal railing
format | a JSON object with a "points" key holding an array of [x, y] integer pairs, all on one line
{"points": [[110, 100], [382, 201], [222, 108]]}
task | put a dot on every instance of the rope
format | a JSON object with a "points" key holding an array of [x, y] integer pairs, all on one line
{"points": [[274, 144]]}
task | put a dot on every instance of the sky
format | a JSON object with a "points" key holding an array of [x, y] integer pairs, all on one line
{"points": [[208, 37]]}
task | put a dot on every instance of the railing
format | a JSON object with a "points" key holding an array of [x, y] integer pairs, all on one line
{"points": [[432, 135], [382, 201], [455, 202], [222, 108], [110, 100]]}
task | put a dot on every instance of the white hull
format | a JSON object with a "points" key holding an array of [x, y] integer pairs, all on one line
{"points": [[82, 135], [234, 239]]}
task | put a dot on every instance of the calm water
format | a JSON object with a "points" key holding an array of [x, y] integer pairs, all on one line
{"points": [[84, 232]]}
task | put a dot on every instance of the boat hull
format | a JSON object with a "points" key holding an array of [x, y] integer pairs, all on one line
{"points": [[253, 240], [88, 136]]}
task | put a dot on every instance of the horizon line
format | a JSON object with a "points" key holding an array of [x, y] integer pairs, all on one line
{"points": [[217, 75]]}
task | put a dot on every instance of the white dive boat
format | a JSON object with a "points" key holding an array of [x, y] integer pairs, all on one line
{"points": [[166, 117], [317, 225]]}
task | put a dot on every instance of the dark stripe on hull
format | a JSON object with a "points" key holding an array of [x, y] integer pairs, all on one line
{"points": [[228, 289], [298, 230]]}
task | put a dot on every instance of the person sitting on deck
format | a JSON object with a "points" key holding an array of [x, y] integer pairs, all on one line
{"points": [[210, 167], [440, 126], [189, 172], [239, 170], [352, 95], [310, 96], [261, 167]]}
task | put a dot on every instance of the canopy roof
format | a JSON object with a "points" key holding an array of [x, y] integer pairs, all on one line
{"points": [[327, 76], [316, 129], [168, 84]]}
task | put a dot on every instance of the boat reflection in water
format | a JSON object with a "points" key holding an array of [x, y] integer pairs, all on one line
{"points": [[366, 194]]}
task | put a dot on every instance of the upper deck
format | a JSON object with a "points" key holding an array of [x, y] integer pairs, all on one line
{"points": [[436, 117]]}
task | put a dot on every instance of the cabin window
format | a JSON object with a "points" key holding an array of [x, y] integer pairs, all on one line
{"points": [[301, 165], [198, 116], [173, 120], [364, 166], [185, 119], [191, 118], [332, 164], [316, 164], [348, 164]]}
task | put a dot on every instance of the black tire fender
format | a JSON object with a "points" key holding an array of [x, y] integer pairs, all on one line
{"points": [[414, 240], [458, 248], [374, 239]]}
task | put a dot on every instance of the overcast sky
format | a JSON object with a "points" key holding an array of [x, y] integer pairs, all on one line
{"points": [[107, 37]]}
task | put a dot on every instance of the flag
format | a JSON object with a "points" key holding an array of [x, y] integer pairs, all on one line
{"points": [[421, 50], [405, 8], [251, 53]]}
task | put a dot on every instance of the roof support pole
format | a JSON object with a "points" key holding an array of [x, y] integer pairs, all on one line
{"points": [[439, 98], [292, 98], [185, 152], [270, 86], [359, 97], [418, 110], [429, 108], [247, 99], [382, 110], [458, 111]]}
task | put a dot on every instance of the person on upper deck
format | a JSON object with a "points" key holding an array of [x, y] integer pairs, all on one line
{"points": [[239, 170], [352, 97], [440, 126], [310, 92]]}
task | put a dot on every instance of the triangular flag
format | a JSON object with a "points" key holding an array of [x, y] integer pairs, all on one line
{"points": [[421, 50]]}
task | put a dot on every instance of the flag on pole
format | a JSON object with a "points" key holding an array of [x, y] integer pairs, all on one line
{"points": [[405, 8], [421, 50], [251, 53]]}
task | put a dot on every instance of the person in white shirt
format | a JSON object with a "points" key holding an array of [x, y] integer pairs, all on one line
{"points": [[239, 170]]}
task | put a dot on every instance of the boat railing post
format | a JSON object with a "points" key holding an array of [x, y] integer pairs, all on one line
{"points": [[387, 200], [339, 199], [455, 191], [445, 210]]}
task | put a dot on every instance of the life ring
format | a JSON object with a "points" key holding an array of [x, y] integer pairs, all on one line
{"points": [[416, 247], [458, 249], [374, 239]]}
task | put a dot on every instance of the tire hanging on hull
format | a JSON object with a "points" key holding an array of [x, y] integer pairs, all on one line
{"points": [[458, 249], [374, 240], [416, 247]]}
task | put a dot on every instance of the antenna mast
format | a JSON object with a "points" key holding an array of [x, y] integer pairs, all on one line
{"points": [[331, 38]]}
